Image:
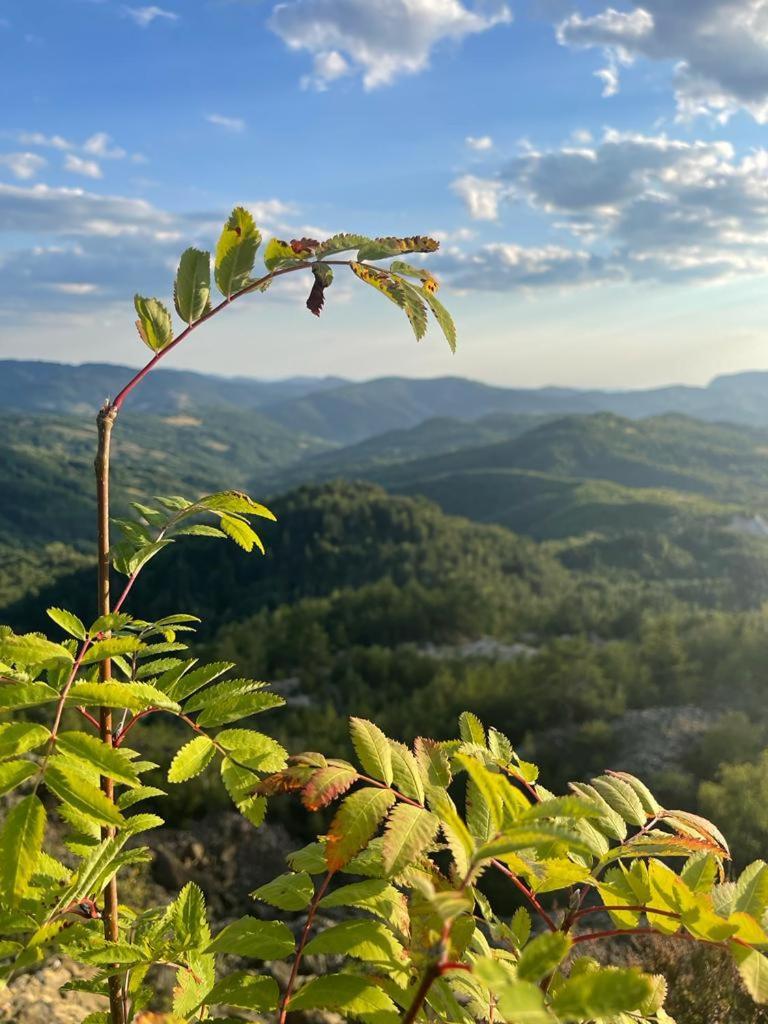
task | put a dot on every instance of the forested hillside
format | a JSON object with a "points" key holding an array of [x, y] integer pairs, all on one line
{"points": [[620, 562]]}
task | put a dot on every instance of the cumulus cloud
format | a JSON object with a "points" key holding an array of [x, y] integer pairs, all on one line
{"points": [[77, 165], [648, 207], [23, 165], [506, 267], [380, 40], [480, 143], [144, 16], [481, 196], [101, 145], [231, 124], [718, 48]]}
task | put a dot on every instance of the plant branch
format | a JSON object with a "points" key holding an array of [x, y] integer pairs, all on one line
{"points": [[530, 896], [321, 891]]}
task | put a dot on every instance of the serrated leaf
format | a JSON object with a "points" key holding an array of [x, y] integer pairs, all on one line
{"points": [[19, 737], [753, 968], [14, 696], [133, 696], [601, 993], [343, 992], [376, 896], [362, 939], [247, 991], [405, 772], [253, 749], [372, 748], [238, 706], [21, 840], [193, 758], [542, 956], [236, 252], [443, 317], [340, 243], [241, 533], [278, 253], [190, 924], [192, 288], [241, 785], [68, 621], [261, 940], [154, 324], [30, 649], [521, 926], [107, 760], [751, 893], [621, 797], [73, 789], [414, 308], [408, 834], [326, 785], [355, 823], [292, 891]]}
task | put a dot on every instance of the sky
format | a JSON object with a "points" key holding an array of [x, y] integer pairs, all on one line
{"points": [[597, 176]]}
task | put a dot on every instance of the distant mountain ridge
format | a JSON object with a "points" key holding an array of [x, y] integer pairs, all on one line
{"points": [[346, 412]]}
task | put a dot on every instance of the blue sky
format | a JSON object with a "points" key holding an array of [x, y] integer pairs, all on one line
{"points": [[596, 175]]}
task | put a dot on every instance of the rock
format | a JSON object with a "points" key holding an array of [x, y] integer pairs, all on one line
{"points": [[35, 998]]}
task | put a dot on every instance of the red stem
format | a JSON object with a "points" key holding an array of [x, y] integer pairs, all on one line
{"points": [[520, 884], [302, 943], [637, 910]]}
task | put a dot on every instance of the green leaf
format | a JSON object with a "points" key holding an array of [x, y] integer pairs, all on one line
{"points": [[376, 896], [133, 696], [278, 253], [192, 289], [233, 501], [620, 796], [15, 696], [542, 956], [340, 243], [179, 686], [520, 926], [236, 252], [191, 759], [327, 784], [31, 649], [261, 940], [700, 872], [232, 709], [21, 841], [247, 991], [241, 533], [71, 788], [253, 749], [363, 939], [69, 622], [154, 324], [104, 649], [291, 891], [443, 317], [414, 308], [107, 760], [408, 834], [355, 823], [471, 729], [405, 772], [190, 925], [753, 968], [20, 737], [602, 993], [372, 748], [241, 784], [519, 1001], [751, 894], [13, 773], [343, 992]]}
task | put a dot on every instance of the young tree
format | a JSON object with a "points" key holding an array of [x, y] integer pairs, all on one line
{"points": [[416, 831]]}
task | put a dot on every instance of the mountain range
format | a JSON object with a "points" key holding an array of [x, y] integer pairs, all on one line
{"points": [[344, 412]]}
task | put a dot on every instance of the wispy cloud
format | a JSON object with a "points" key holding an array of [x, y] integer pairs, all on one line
{"points": [[144, 16], [23, 165], [77, 165], [231, 124], [480, 143]]}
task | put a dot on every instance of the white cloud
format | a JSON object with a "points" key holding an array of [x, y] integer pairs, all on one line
{"points": [[480, 195], [507, 267], [144, 16], [23, 165], [480, 143], [648, 206], [610, 78], [77, 165], [326, 67], [46, 141], [718, 49], [231, 124], [75, 288], [100, 145], [381, 40]]}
